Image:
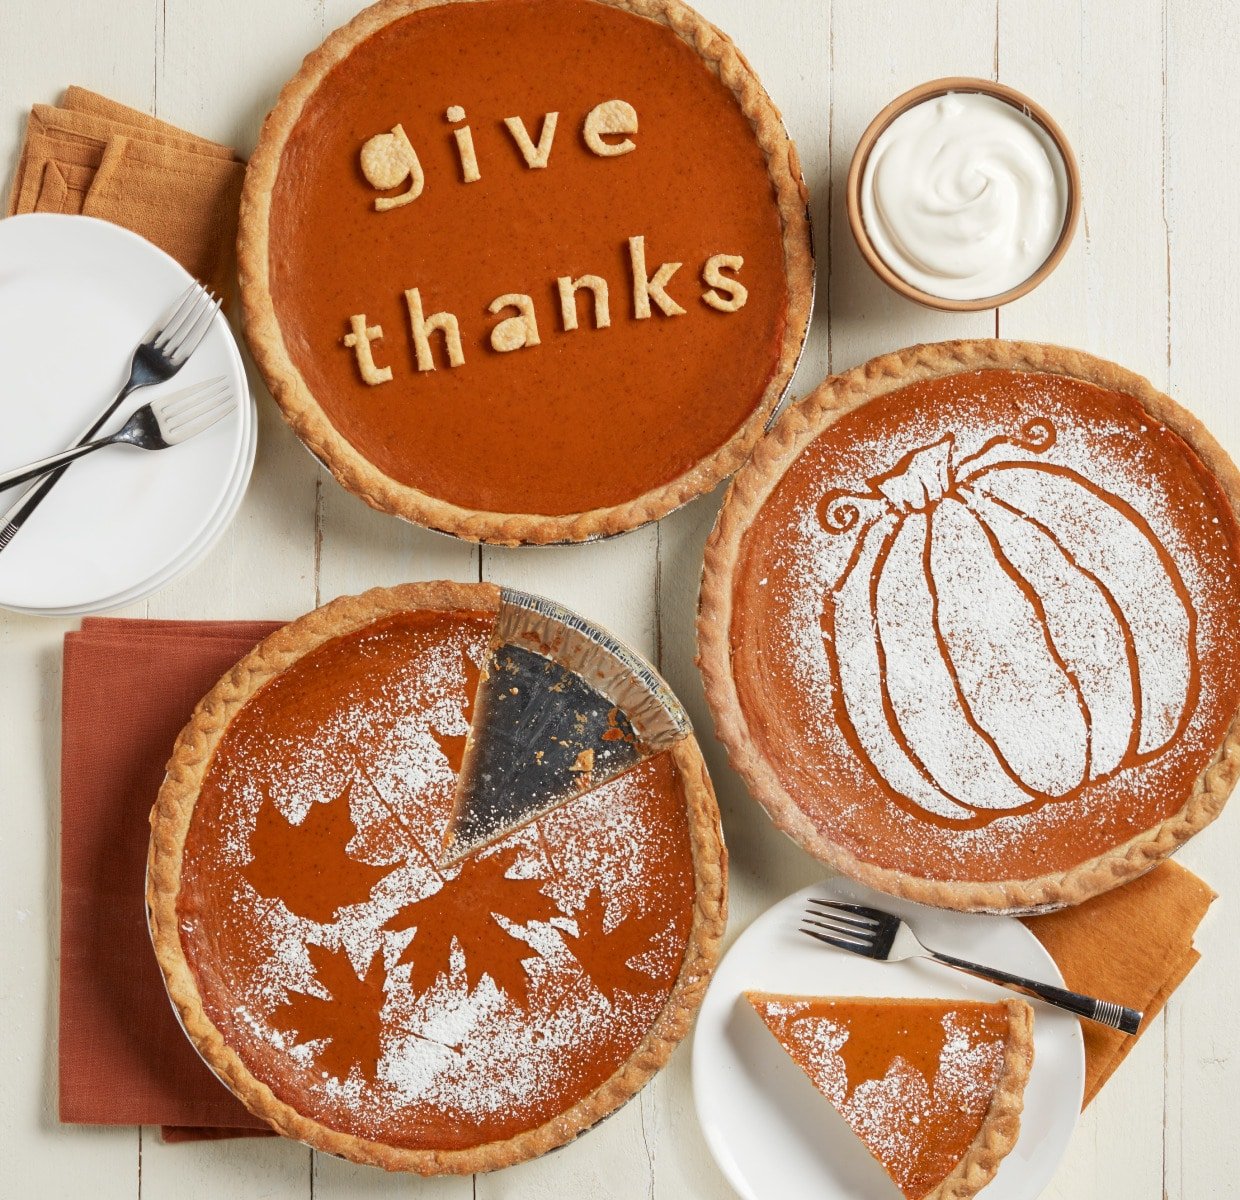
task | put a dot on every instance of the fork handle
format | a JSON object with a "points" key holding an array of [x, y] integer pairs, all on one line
{"points": [[1105, 1012], [10, 479], [16, 516]]}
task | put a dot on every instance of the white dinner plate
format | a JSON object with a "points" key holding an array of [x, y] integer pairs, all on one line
{"points": [[771, 1132], [76, 296], [190, 558]]}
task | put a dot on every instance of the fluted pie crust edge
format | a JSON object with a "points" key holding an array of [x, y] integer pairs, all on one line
{"points": [[1001, 1127]]}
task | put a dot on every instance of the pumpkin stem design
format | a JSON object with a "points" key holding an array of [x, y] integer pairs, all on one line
{"points": [[1005, 632], [1036, 436], [923, 477], [918, 481]]}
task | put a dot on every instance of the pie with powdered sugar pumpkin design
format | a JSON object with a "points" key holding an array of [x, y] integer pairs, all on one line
{"points": [[366, 995], [934, 1088], [968, 624]]}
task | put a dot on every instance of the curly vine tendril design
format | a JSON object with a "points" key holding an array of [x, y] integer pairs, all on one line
{"points": [[1037, 435], [840, 510]]}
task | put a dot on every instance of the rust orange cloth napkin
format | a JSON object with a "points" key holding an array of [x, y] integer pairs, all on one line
{"points": [[129, 686], [101, 159]]}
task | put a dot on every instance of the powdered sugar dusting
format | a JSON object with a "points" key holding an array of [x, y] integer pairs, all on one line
{"points": [[902, 1115]]}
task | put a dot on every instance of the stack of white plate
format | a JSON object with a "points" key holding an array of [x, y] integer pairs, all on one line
{"points": [[76, 297]]}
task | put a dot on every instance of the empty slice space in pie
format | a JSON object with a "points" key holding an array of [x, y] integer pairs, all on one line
{"points": [[489, 296], [933, 1088], [368, 999], [967, 624], [561, 708]]}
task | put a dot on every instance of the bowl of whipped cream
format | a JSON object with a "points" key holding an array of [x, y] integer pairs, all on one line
{"points": [[963, 194]]}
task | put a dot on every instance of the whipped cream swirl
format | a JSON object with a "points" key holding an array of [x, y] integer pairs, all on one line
{"points": [[964, 196]]}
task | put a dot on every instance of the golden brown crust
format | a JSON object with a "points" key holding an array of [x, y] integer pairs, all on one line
{"points": [[380, 491], [840, 394], [170, 822], [1001, 1127]]}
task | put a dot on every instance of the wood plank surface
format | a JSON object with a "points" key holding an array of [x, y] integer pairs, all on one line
{"points": [[1146, 91]]}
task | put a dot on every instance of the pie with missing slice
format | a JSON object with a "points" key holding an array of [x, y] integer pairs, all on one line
{"points": [[934, 1088], [968, 624], [365, 995]]}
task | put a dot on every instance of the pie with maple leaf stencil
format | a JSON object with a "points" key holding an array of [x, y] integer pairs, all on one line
{"points": [[380, 989]]}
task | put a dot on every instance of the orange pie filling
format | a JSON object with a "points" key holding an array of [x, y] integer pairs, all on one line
{"points": [[914, 1079], [996, 614], [527, 290], [374, 990]]}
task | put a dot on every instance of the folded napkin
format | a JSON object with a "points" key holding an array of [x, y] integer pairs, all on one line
{"points": [[1133, 945], [129, 686], [101, 159]]}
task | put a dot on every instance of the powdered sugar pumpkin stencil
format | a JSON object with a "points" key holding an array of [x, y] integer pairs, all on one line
{"points": [[1005, 630]]}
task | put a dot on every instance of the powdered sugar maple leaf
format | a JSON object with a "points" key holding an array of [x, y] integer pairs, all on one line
{"points": [[308, 866], [465, 910], [351, 1019], [605, 956]]}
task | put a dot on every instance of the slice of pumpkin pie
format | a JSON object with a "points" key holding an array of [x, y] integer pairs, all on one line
{"points": [[934, 1088]]}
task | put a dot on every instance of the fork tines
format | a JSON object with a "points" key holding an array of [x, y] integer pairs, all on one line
{"points": [[849, 927], [187, 413], [180, 332]]}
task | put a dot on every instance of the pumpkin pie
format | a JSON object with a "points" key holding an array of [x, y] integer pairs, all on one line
{"points": [[934, 1088], [479, 276], [968, 624], [359, 992]]}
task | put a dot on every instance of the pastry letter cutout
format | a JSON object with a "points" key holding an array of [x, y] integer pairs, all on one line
{"points": [[568, 300], [734, 294], [388, 159], [464, 146], [646, 289], [535, 156], [359, 342], [610, 117], [422, 327], [514, 333]]}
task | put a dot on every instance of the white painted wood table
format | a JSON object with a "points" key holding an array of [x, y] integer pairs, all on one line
{"points": [[1146, 90]]}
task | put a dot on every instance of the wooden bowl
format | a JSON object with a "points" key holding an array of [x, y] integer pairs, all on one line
{"points": [[928, 91]]}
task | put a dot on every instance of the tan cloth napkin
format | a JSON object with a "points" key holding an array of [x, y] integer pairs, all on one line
{"points": [[129, 686], [101, 159], [1133, 945]]}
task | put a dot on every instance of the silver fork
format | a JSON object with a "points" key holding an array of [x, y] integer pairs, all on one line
{"points": [[165, 422], [163, 351], [885, 937]]}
